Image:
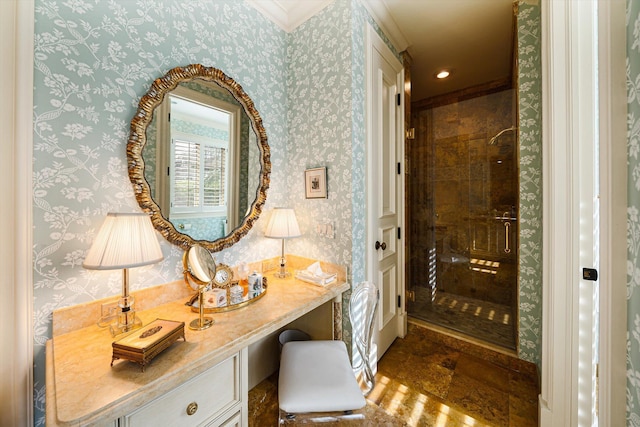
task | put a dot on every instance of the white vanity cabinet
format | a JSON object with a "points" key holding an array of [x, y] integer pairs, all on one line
{"points": [[216, 397]]}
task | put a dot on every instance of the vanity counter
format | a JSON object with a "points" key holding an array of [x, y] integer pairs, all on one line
{"points": [[82, 388]]}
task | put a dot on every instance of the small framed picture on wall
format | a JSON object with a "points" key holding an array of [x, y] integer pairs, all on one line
{"points": [[315, 183]]}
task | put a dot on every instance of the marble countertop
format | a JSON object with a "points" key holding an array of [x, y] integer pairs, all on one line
{"points": [[83, 388]]}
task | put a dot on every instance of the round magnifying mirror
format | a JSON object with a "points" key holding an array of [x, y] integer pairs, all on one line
{"points": [[201, 264], [199, 270]]}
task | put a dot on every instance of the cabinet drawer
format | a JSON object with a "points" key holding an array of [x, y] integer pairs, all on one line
{"points": [[205, 396], [234, 420]]}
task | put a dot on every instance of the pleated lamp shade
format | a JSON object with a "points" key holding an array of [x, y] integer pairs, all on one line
{"points": [[125, 240], [282, 224]]}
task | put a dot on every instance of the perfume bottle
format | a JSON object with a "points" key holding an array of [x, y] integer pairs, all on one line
{"points": [[243, 281]]}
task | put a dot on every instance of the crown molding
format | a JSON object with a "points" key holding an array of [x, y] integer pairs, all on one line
{"points": [[379, 11], [289, 14]]}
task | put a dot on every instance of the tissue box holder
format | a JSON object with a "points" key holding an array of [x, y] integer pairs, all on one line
{"points": [[144, 344], [322, 280]]}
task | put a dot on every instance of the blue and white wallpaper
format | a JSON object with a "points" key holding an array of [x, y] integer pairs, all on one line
{"points": [[633, 214], [326, 128], [319, 118], [530, 226]]}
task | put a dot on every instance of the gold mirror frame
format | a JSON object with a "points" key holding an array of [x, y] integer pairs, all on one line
{"points": [[138, 138]]}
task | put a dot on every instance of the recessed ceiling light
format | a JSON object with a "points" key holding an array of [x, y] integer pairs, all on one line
{"points": [[443, 74]]}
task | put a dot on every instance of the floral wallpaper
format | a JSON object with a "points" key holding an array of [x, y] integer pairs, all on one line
{"points": [[319, 93], [530, 123], [633, 218], [93, 61], [198, 129]]}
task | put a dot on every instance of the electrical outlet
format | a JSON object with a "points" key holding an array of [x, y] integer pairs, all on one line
{"points": [[330, 232], [325, 229], [109, 309]]}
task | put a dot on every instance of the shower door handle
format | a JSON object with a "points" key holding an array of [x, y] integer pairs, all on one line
{"points": [[507, 229], [382, 245]]}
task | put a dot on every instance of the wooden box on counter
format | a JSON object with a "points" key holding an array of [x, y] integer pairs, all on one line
{"points": [[143, 344]]}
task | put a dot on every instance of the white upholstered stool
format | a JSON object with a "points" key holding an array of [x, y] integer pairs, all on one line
{"points": [[317, 377], [316, 381]]}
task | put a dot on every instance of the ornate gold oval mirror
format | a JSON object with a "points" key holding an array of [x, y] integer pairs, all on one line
{"points": [[193, 161]]}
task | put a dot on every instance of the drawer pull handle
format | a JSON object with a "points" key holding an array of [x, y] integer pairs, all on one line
{"points": [[192, 408]]}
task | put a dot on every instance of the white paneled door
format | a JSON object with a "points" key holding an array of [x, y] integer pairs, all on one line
{"points": [[385, 176], [583, 319]]}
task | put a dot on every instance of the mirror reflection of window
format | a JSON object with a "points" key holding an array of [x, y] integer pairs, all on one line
{"points": [[198, 136], [198, 181]]}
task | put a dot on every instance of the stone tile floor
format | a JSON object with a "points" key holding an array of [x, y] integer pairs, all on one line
{"points": [[431, 379]]}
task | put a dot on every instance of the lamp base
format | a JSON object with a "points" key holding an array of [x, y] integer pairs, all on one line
{"points": [[127, 322], [282, 274]]}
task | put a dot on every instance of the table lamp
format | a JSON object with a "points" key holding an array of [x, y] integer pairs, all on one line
{"points": [[282, 225], [125, 240]]}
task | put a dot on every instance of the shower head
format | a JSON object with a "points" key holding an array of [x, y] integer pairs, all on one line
{"points": [[493, 140]]}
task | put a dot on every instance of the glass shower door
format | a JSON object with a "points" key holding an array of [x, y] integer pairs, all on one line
{"points": [[464, 202]]}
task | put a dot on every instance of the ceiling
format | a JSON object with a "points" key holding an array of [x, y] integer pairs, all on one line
{"points": [[471, 38]]}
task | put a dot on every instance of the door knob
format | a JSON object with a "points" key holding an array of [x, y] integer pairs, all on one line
{"points": [[382, 245]]}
